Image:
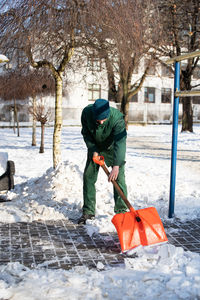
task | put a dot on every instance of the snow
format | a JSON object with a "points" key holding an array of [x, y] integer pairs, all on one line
{"points": [[42, 193], [3, 58], [3, 160]]}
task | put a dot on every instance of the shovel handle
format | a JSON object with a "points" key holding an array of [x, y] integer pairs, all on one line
{"points": [[100, 161]]}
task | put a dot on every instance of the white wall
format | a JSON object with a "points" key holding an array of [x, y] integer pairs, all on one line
{"points": [[76, 96]]}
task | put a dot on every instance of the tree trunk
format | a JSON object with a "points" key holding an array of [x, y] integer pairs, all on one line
{"points": [[187, 118], [16, 117], [34, 124], [17, 121], [125, 103], [112, 92], [42, 139], [13, 116], [58, 122]]}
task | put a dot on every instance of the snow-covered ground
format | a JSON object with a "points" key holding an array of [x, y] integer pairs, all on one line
{"points": [[41, 193]]}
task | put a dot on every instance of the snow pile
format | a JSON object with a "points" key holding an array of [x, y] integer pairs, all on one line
{"points": [[44, 198]]}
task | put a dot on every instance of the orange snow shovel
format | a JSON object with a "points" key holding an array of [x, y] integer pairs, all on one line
{"points": [[137, 227]]}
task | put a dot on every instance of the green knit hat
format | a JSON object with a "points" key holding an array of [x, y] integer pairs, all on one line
{"points": [[101, 109]]}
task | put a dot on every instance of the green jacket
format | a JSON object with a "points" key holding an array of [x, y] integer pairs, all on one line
{"points": [[109, 136]]}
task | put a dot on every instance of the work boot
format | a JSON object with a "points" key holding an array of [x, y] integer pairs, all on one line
{"points": [[7, 179], [84, 218]]}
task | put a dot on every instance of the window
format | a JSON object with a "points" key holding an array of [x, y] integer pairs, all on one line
{"points": [[149, 94], [134, 98], [23, 117], [183, 66], [2, 117], [94, 91], [94, 63], [196, 100], [152, 68], [166, 95], [21, 59], [165, 71], [196, 73], [8, 66]]}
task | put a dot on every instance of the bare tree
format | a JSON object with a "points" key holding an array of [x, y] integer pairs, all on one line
{"points": [[41, 113], [121, 38], [47, 31], [34, 124], [12, 88], [180, 26], [38, 83], [20, 84]]}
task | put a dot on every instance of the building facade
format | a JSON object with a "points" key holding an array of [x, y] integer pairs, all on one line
{"points": [[152, 104]]}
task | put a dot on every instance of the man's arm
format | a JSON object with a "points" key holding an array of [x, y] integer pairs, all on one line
{"points": [[114, 173], [120, 135], [119, 148]]}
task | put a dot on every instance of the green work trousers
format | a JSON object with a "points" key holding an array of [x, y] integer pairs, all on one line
{"points": [[89, 179]]}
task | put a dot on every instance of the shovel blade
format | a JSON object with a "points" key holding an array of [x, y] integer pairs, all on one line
{"points": [[145, 230]]}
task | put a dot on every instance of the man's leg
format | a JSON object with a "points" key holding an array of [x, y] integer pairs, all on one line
{"points": [[89, 192], [120, 206]]}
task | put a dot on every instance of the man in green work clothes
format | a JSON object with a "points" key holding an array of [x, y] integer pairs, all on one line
{"points": [[104, 132]]}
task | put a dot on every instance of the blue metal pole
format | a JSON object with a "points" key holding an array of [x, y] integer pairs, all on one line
{"points": [[174, 140]]}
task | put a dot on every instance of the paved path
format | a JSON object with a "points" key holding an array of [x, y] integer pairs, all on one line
{"points": [[184, 234], [152, 147], [63, 244], [60, 244]]}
